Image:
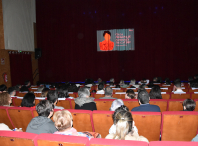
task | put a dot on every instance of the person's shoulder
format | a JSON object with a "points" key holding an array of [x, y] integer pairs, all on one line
{"points": [[135, 108], [109, 136]]}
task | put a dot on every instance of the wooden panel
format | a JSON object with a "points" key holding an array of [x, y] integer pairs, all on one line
{"points": [[64, 103], [103, 104], [175, 105], [97, 96], [161, 103], [131, 103], [194, 96], [166, 96], [119, 96], [4, 118], [14, 141]]}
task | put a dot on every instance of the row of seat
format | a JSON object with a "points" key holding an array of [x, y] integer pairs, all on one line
{"points": [[105, 104], [121, 95], [9, 138], [174, 126]]}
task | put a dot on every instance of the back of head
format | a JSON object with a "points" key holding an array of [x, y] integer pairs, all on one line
{"points": [[130, 93], [115, 104], [11, 90], [83, 92], [189, 104], [52, 96], [178, 84], [155, 92], [28, 100], [26, 82], [63, 120], [100, 86], [143, 97], [132, 82], [112, 80], [40, 89], [141, 87], [63, 94], [196, 77], [44, 92], [108, 91], [44, 107], [4, 98], [3, 87], [177, 80]]}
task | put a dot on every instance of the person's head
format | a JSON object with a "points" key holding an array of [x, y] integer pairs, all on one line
{"points": [[177, 80], [196, 76], [40, 89], [167, 81], [100, 86], [99, 80], [121, 82], [44, 92], [18, 87], [123, 121], [108, 91], [45, 108], [189, 104], [63, 120], [3, 87], [63, 94], [112, 80], [27, 83], [129, 94], [5, 99], [12, 91], [52, 96], [178, 84], [155, 92], [155, 79], [107, 35], [132, 82], [115, 104], [28, 100], [143, 97], [84, 92], [141, 87]]}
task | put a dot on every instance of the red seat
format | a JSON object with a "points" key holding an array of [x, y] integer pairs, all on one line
{"points": [[194, 95], [196, 108], [172, 143], [5, 118], [162, 103], [64, 103], [103, 104], [97, 96], [180, 95], [165, 95], [131, 103], [119, 95], [175, 104]]}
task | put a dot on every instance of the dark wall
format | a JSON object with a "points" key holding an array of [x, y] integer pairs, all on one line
{"points": [[166, 39]]}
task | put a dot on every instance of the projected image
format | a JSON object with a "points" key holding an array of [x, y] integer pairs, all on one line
{"points": [[115, 40]]}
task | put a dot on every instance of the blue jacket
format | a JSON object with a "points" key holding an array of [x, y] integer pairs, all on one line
{"points": [[147, 108]]}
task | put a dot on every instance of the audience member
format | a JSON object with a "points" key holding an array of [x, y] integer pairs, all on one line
{"points": [[100, 89], [64, 94], [177, 87], [122, 84], [12, 91], [18, 87], [52, 96], [84, 101], [115, 104], [141, 87], [133, 84], [124, 122], [108, 93], [167, 81], [143, 99], [3, 88], [130, 94], [189, 105], [40, 89], [155, 92], [5, 99], [26, 86], [99, 80], [42, 123], [28, 100], [44, 92], [112, 82], [63, 121]]}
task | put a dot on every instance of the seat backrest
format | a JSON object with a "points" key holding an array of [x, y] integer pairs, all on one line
{"points": [[61, 140], [97, 96], [37, 94], [194, 95], [165, 95], [102, 122], [131, 103], [162, 103], [172, 143], [17, 101], [64, 103], [12, 138], [82, 120], [72, 103], [103, 104], [166, 90], [4, 118], [20, 116], [193, 90], [21, 94], [180, 95], [148, 124], [71, 94], [112, 142], [179, 126], [37, 100], [175, 104], [119, 95], [196, 108]]}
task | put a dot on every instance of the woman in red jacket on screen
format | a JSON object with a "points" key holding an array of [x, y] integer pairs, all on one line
{"points": [[106, 45]]}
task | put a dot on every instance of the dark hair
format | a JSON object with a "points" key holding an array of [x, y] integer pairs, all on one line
{"points": [[4, 98], [177, 80], [17, 87], [130, 93], [108, 91], [26, 82], [28, 100], [44, 92], [143, 97], [100, 86], [3, 87], [190, 79], [93, 91], [63, 93], [108, 32], [11, 90], [196, 76], [167, 81], [52, 95], [141, 87], [117, 86], [189, 104], [44, 107], [155, 92], [178, 84]]}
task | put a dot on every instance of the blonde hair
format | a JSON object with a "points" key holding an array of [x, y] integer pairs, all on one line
{"points": [[4, 98], [63, 120]]}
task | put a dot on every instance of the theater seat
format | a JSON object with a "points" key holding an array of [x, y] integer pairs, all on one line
{"points": [[97, 96], [4, 118], [102, 121], [112, 142], [131, 103], [180, 95], [61, 140], [71, 94], [162, 103], [13, 138], [64, 103], [175, 104], [119, 95], [148, 124], [172, 143], [21, 94], [165, 95], [194, 95], [17, 101], [196, 108], [37, 94], [179, 126], [103, 104]]}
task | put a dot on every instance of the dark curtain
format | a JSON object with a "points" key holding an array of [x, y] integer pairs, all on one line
{"points": [[21, 67], [166, 39]]}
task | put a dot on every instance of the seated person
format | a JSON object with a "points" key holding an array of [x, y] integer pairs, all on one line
{"points": [[130, 94], [100, 89], [40, 89], [63, 93], [26, 86], [63, 121], [44, 92], [3, 88], [5, 99], [155, 92], [112, 82], [141, 88], [122, 84], [124, 123], [189, 105], [28, 100], [177, 87], [108, 93], [132, 83], [12, 91], [52, 96], [42, 123], [84, 101], [143, 99], [115, 104]]}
